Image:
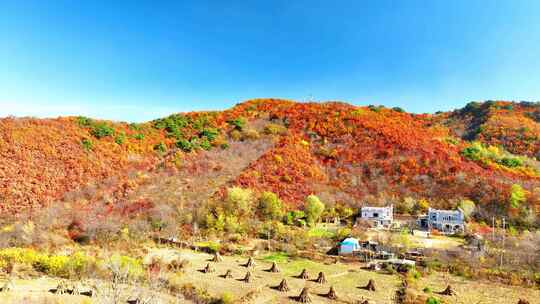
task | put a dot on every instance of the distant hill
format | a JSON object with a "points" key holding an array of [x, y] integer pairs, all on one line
{"points": [[340, 152]]}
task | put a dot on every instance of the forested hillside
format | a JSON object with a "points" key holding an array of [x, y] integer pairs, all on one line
{"points": [[346, 155]]}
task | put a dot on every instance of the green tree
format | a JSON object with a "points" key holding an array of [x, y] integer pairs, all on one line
{"points": [[517, 196], [295, 217], [270, 206], [468, 207], [238, 201], [314, 209]]}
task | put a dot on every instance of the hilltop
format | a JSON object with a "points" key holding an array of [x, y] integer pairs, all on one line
{"points": [[349, 155]]}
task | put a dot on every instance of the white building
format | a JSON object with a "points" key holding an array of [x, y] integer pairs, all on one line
{"points": [[446, 221], [379, 216]]}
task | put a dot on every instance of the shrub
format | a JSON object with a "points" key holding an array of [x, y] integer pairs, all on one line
{"points": [[432, 300], [205, 144], [295, 217], [135, 126], [275, 129], [131, 266], [120, 138], [87, 144], [227, 298], [185, 145], [161, 147], [398, 109], [84, 121], [102, 130], [472, 153], [427, 290], [236, 135], [237, 123], [511, 162], [138, 136], [54, 265], [209, 133], [250, 134]]}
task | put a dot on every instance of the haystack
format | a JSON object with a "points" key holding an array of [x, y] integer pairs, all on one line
{"points": [[228, 274], [332, 293], [449, 291], [274, 268], [321, 279], [370, 285], [250, 263], [283, 286], [304, 275], [217, 257], [304, 296], [208, 268], [247, 278], [8, 286]]}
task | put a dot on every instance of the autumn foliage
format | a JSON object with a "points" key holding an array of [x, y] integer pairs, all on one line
{"points": [[342, 152]]}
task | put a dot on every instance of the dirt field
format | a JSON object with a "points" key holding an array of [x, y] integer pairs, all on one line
{"points": [[470, 292], [346, 279]]}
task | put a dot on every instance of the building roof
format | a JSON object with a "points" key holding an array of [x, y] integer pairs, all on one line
{"points": [[458, 211], [350, 241], [375, 208]]}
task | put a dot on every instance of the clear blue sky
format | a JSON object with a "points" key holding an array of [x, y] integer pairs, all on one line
{"points": [[137, 60]]}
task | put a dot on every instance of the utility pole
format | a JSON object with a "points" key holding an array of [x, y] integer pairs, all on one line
{"points": [[503, 239], [493, 229]]}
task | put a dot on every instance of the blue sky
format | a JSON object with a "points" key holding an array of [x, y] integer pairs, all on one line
{"points": [[138, 60]]}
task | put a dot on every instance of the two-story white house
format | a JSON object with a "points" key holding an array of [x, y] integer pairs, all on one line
{"points": [[378, 216], [446, 221]]}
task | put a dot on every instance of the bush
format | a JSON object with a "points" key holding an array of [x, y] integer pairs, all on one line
{"points": [[161, 147], [275, 129], [209, 133], [87, 144], [54, 265], [120, 138], [138, 136], [135, 126], [227, 298], [205, 144], [84, 121], [185, 145], [237, 123], [432, 300], [250, 134], [511, 162], [131, 266], [296, 217], [102, 130]]}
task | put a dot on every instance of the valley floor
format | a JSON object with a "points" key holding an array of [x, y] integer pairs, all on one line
{"points": [[347, 279]]}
